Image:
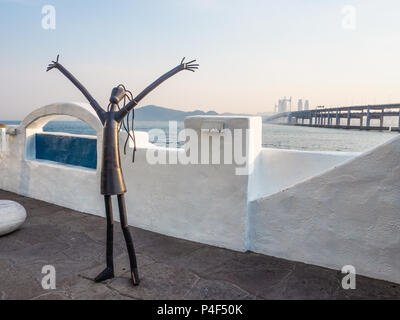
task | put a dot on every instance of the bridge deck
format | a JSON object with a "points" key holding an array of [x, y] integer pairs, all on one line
{"points": [[332, 117]]}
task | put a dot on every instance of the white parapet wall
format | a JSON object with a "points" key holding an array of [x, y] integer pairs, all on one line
{"points": [[197, 201], [279, 169], [69, 186], [205, 200], [325, 208], [3, 139], [349, 215]]}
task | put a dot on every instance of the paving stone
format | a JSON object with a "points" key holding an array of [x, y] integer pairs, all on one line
{"points": [[121, 266], [215, 290], [257, 274], [52, 295], [205, 260], [372, 289], [170, 268], [169, 249], [305, 282], [157, 281], [85, 289], [16, 283]]}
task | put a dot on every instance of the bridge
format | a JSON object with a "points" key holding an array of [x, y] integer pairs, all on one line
{"points": [[333, 117]]}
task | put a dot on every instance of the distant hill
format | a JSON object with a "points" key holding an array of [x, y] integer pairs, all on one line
{"points": [[155, 113]]}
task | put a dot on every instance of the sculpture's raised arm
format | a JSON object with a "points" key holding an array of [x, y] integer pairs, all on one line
{"points": [[182, 66], [100, 112]]}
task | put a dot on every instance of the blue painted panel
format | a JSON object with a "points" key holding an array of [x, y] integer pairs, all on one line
{"points": [[77, 151]]}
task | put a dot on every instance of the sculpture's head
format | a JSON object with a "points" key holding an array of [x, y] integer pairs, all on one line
{"points": [[117, 94]]}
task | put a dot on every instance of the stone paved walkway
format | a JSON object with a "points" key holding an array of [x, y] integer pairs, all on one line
{"points": [[170, 268]]}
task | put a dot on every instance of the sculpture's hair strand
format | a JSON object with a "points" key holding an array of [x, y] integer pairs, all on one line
{"points": [[126, 125]]}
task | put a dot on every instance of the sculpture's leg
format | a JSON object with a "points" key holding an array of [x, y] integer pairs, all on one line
{"points": [[108, 272], [128, 240]]}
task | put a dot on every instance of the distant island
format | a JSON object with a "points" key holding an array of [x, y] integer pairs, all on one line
{"points": [[155, 113]]}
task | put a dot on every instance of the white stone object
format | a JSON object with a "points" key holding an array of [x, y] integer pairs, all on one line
{"points": [[12, 216]]}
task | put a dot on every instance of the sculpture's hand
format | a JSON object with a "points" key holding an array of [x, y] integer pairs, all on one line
{"points": [[54, 64], [180, 67], [189, 65]]}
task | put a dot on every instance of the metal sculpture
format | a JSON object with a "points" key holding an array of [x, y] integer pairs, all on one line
{"points": [[112, 180]]}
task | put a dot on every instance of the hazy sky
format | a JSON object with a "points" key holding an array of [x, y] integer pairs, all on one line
{"points": [[251, 52]]}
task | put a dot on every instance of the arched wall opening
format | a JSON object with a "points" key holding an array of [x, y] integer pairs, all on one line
{"points": [[59, 146]]}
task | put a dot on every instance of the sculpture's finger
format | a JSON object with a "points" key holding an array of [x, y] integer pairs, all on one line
{"points": [[191, 61], [183, 59]]}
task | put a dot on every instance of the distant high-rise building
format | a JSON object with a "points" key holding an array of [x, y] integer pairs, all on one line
{"points": [[284, 105], [300, 105], [306, 105], [280, 106]]}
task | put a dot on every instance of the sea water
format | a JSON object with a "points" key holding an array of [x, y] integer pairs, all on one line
{"points": [[273, 136]]}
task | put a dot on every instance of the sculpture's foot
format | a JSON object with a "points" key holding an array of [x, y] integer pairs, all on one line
{"points": [[135, 276], [106, 274]]}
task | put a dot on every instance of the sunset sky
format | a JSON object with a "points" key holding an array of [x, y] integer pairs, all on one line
{"points": [[251, 52]]}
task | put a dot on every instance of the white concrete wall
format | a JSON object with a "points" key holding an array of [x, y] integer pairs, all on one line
{"points": [[3, 139], [204, 203], [44, 180], [348, 215], [317, 207], [279, 169]]}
